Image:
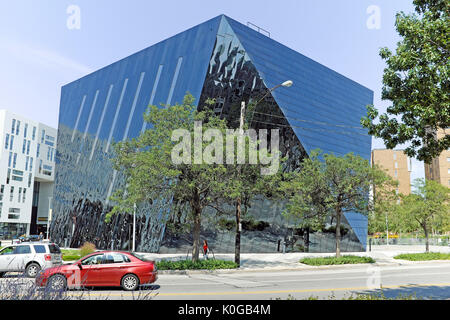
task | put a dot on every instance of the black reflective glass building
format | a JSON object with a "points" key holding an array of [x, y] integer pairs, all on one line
{"points": [[220, 59]]}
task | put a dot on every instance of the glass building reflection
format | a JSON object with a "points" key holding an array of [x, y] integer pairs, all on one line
{"points": [[220, 59]]}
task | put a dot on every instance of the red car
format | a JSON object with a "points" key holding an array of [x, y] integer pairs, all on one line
{"points": [[104, 269]]}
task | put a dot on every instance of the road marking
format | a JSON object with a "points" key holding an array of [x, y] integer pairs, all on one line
{"points": [[268, 291]]}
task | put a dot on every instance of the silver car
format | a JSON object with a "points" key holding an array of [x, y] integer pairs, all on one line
{"points": [[29, 257]]}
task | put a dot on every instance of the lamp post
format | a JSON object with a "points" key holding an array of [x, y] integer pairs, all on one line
{"points": [[237, 259], [49, 218], [134, 228], [285, 84]]}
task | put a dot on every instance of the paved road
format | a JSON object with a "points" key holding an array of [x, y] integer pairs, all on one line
{"points": [[427, 280]]}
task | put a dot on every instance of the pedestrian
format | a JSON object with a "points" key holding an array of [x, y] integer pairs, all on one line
{"points": [[205, 249], [41, 236]]}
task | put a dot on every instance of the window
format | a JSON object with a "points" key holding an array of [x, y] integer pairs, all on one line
{"points": [[448, 159], [24, 145], [25, 130], [28, 147], [43, 136], [31, 163], [29, 180], [39, 249], [13, 126], [11, 145], [116, 258], [20, 194], [47, 170], [11, 195], [38, 149], [97, 259], [14, 160], [54, 248], [26, 163], [24, 194], [7, 250], [2, 190], [7, 141], [10, 159], [396, 164], [22, 250], [18, 127], [8, 176], [34, 133]]}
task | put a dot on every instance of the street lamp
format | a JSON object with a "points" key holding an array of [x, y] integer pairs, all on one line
{"points": [[286, 84], [49, 218], [134, 228]]}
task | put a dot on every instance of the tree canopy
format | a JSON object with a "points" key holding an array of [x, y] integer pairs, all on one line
{"points": [[417, 82]]}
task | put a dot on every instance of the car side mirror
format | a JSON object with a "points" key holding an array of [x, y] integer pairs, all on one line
{"points": [[79, 265]]}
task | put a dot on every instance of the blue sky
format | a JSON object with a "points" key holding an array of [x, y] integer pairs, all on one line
{"points": [[39, 53]]}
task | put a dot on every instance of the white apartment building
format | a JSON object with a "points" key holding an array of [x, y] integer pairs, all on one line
{"points": [[27, 169]]}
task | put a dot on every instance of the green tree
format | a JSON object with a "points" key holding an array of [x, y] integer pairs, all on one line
{"points": [[328, 186], [245, 183], [416, 81], [385, 200], [426, 208], [151, 173]]}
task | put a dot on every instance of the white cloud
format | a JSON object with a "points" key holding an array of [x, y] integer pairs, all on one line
{"points": [[43, 57]]}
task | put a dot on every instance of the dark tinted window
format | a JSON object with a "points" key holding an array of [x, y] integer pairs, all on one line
{"points": [[22, 250], [40, 249], [54, 248], [115, 258]]}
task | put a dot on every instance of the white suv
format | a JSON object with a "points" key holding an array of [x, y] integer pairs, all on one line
{"points": [[29, 257]]}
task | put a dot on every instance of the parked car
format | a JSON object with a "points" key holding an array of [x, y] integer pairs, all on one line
{"points": [[30, 238], [101, 269], [29, 257]]}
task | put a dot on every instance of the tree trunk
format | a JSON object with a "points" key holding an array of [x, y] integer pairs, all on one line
{"points": [[237, 246], [338, 233], [196, 207], [427, 244]]}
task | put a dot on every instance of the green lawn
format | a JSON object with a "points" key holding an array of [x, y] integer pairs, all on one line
{"points": [[423, 256], [335, 261]]}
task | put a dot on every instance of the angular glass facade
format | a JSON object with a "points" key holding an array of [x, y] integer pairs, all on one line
{"points": [[219, 59]]}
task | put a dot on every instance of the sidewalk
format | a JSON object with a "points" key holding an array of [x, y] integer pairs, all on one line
{"points": [[290, 261]]}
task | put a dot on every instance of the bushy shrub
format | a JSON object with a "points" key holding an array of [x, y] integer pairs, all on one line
{"points": [[198, 265], [423, 256], [334, 260], [87, 248]]}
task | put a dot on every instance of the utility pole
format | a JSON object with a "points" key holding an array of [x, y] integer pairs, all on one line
{"points": [[387, 230], [237, 258], [49, 218], [134, 228]]}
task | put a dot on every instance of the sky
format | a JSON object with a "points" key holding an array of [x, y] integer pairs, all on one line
{"points": [[45, 44]]}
